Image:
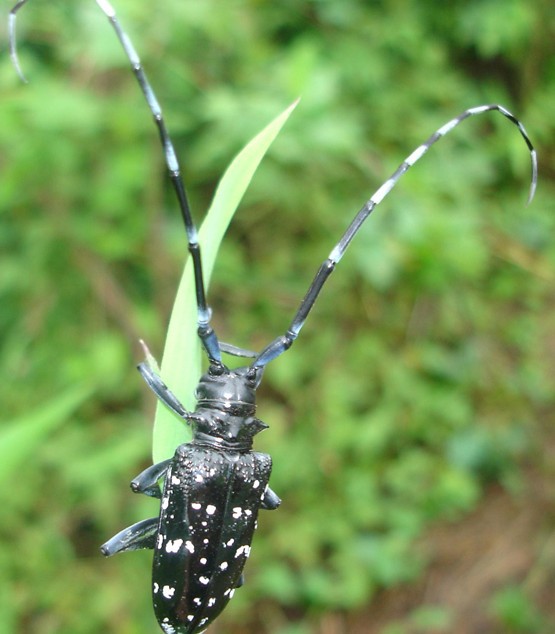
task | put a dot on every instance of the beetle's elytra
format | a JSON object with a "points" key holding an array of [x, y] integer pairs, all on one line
{"points": [[215, 485]]}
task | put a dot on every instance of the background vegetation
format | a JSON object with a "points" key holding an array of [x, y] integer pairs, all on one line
{"points": [[412, 423]]}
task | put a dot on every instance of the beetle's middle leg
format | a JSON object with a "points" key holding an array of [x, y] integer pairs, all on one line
{"points": [[142, 534], [147, 481], [271, 500]]}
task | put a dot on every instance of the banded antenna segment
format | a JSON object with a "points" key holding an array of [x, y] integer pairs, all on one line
{"points": [[282, 343]]}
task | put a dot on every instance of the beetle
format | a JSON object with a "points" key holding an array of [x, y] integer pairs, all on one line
{"points": [[215, 485]]}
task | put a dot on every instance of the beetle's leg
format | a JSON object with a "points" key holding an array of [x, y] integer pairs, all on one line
{"points": [[140, 535], [147, 481], [270, 501], [162, 391], [284, 342]]}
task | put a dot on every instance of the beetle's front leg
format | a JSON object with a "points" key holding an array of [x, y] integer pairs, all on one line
{"points": [[147, 481], [271, 500]]}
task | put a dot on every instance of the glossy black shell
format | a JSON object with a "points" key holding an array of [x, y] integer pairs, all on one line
{"points": [[207, 519], [210, 502]]}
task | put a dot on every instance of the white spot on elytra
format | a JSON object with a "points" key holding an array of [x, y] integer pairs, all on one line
{"points": [[165, 503], [248, 512], [203, 561], [224, 565], [230, 542], [190, 546], [210, 509], [211, 602], [243, 550], [190, 617], [160, 540], [205, 540], [204, 580], [196, 505], [173, 546], [256, 484], [199, 478], [231, 593], [237, 512], [197, 601], [203, 621], [168, 592], [155, 587], [175, 480]]}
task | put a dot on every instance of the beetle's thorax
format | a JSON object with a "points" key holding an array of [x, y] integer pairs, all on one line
{"points": [[226, 406]]}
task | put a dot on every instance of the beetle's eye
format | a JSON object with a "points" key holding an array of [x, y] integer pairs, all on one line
{"points": [[216, 369]]}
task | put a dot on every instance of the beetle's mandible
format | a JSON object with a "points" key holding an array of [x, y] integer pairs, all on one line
{"points": [[215, 485]]}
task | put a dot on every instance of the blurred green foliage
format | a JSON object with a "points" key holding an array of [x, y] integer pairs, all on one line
{"points": [[423, 374], [516, 612]]}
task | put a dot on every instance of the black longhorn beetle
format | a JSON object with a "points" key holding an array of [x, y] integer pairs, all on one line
{"points": [[215, 485]]}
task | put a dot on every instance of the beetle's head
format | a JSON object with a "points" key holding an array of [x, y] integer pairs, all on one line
{"points": [[229, 387], [226, 406]]}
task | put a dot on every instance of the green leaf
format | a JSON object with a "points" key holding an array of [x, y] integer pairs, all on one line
{"points": [[181, 362]]}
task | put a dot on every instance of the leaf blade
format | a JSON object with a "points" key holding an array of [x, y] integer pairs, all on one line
{"points": [[181, 362]]}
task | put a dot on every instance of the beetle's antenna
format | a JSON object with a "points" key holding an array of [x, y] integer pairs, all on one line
{"points": [[13, 43], [284, 342], [205, 331]]}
